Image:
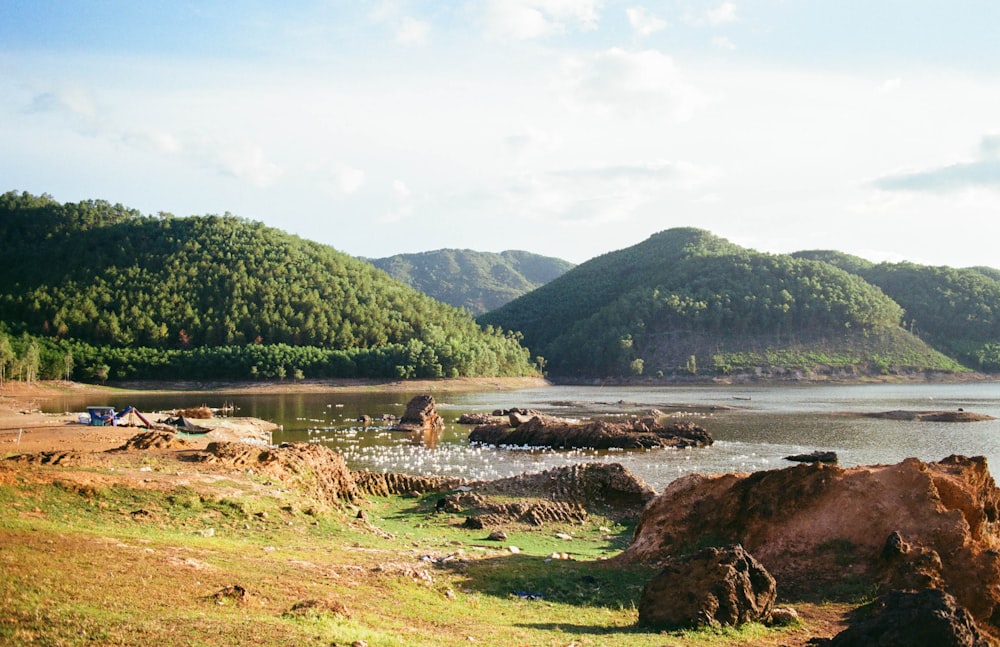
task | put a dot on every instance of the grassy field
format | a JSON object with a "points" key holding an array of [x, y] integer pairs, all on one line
{"points": [[90, 557]]}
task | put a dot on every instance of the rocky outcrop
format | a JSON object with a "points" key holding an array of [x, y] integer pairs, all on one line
{"points": [[566, 494], [906, 618], [817, 456], [421, 415], [959, 415], [817, 524], [558, 433], [315, 469], [712, 587], [377, 484], [588, 484]]}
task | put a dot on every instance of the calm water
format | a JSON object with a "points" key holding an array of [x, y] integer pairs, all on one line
{"points": [[766, 424]]}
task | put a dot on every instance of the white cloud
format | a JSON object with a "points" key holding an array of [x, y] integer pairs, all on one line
{"points": [[411, 31], [723, 43], [890, 85], [530, 19], [402, 206], [643, 22], [633, 81], [724, 13], [981, 172], [243, 161], [347, 179], [601, 194], [407, 30]]}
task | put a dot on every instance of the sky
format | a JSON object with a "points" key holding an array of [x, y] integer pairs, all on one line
{"points": [[568, 128]]}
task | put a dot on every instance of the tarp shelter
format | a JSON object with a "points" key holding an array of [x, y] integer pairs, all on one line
{"points": [[101, 416]]}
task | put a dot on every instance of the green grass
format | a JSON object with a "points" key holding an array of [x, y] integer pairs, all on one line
{"points": [[80, 566]]}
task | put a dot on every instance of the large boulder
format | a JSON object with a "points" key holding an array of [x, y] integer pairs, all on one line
{"points": [[421, 416], [906, 618], [815, 525], [712, 587]]}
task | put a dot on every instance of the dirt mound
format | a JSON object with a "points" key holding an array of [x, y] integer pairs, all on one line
{"points": [[376, 484], [587, 484], [636, 433], [814, 525], [486, 513], [317, 470], [63, 459], [153, 440]]}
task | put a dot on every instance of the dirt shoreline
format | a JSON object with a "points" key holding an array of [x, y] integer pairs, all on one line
{"points": [[24, 429]]}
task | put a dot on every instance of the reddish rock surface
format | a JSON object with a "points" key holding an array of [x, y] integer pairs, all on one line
{"points": [[812, 525], [421, 415]]}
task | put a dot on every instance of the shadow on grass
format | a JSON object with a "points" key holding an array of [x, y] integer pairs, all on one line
{"points": [[579, 583]]}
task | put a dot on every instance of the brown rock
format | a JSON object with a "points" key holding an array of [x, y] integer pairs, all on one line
{"points": [[713, 587], [815, 524], [905, 618], [549, 431], [421, 415]]}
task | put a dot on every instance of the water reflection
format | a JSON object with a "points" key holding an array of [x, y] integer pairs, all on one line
{"points": [[754, 427]]}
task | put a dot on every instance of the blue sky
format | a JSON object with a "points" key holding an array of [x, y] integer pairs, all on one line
{"points": [[564, 127]]}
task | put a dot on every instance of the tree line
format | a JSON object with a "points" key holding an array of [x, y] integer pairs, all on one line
{"points": [[158, 296]]}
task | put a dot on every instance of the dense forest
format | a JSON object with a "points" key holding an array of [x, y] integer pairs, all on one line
{"points": [[110, 293], [476, 281], [685, 301], [954, 310]]}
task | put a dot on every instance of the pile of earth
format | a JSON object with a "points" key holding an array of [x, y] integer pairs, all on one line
{"points": [[562, 494], [314, 469], [558, 433], [153, 440], [908, 526]]}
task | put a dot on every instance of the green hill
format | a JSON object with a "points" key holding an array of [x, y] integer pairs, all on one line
{"points": [[106, 276], [685, 301], [476, 281], [955, 310]]}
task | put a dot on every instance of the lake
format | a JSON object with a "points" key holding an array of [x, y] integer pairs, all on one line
{"points": [[754, 427]]}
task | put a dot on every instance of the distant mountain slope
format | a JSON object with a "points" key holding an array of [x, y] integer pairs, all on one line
{"points": [[955, 310], [476, 281], [687, 301], [107, 275]]}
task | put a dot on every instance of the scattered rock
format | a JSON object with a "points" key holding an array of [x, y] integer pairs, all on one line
{"points": [[783, 616], [230, 593], [905, 618], [478, 419], [713, 587]]}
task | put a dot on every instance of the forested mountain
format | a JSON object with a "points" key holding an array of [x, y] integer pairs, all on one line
{"points": [[955, 310], [687, 301], [476, 281], [109, 277]]}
